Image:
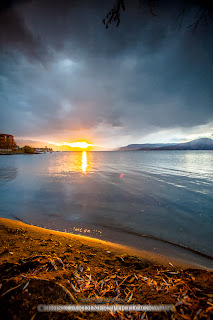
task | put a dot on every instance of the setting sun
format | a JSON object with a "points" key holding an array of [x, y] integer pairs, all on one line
{"points": [[77, 144]]}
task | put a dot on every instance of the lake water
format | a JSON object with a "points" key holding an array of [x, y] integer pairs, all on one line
{"points": [[165, 194]]}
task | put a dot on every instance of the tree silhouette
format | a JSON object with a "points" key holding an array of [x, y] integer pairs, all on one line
{"points": [[27, 149], [205, 11]]}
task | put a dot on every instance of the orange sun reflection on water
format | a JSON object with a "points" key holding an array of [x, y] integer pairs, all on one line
{"points": [[66, 163], [84, 162]]}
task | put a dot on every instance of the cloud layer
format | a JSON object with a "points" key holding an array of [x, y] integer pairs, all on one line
{"points": [[64, 77]]}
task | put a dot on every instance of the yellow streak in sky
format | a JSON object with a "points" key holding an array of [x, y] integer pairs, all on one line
{"points": [[82, 144], [78, 144]]}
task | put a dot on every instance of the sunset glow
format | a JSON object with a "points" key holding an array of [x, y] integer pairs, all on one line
{"points": [[78, 144]]}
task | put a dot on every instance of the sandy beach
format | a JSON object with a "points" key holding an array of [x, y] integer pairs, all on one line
{"points": [[40, 266]]}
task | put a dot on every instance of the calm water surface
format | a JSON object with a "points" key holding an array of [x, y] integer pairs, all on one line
{"points": [[166, 194]]}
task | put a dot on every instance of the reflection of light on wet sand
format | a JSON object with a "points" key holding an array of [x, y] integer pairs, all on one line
{"points": [[84, 230], [84, 161]]}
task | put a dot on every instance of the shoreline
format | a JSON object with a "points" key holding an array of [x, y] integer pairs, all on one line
{"points": [[153, 248], [42, 266], [97, 243], [20, 153]]}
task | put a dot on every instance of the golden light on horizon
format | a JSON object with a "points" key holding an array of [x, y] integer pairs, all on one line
{"points": [[77, 144], [84, 161]]}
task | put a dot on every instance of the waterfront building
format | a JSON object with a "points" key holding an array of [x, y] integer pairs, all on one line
{"points": [[7, 142]]}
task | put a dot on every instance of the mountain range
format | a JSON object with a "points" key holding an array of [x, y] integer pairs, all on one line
{"points": [[198, 144]]}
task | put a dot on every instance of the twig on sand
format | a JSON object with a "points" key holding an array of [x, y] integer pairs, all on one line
{"points": [[67, 292], [12, 289]]}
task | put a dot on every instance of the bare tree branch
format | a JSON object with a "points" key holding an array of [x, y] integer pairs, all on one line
{"points": [[205, 10]]}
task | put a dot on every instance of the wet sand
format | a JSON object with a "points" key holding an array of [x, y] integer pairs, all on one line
{"points": [[76, 241], [143, 245]]}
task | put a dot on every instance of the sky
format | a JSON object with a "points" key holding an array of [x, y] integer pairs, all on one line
{"points": [[64, 77]]}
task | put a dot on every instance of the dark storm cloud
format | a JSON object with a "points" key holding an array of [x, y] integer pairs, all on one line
{"points": [[15, 34], [61, 71]]}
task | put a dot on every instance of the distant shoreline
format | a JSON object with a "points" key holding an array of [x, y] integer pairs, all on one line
{"points": [[142, 150], [18, 153], [166, 150]]}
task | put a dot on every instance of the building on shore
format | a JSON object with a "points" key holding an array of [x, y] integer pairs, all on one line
{"points": [[7, 142], [43, 150]]}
